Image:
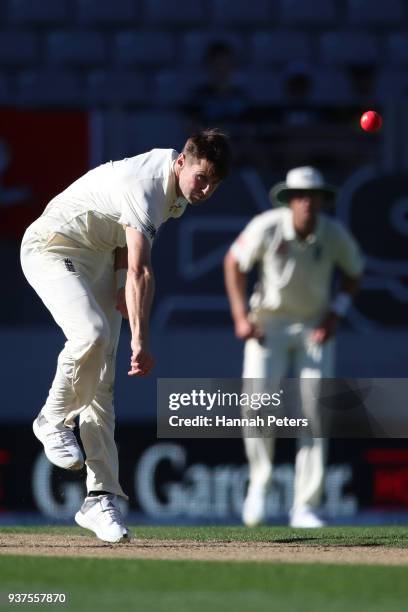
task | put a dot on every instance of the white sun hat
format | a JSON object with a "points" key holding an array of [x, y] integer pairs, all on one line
{"points": [[303, 178]]}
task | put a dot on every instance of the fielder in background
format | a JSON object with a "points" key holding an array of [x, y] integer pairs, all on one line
{"points": [[292, 319], [105, 222]]}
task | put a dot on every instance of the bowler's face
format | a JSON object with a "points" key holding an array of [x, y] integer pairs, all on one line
{"points": [[196, 181]]}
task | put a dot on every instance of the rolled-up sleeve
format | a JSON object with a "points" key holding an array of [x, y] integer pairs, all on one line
{"points": [[249, 245], [140, 207]]}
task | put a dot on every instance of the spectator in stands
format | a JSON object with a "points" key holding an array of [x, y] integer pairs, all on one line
{"points": [[362, 78], [221, 100], [299, 122], [298, 87]]}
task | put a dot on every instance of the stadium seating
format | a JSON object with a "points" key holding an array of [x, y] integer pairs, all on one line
{"points": [[165, 12], [346, 46], [242, 12], [397, 46], [331, 87], [165, 44], [195, 44], [280, 46], [301, 12], [34, 13], [263, 87], [107, 12], [45, 88], [18, 48], [368, 12], [112, 87], [391, 84], [131, 46], [153, 129], [174, 87], [77, 47]]}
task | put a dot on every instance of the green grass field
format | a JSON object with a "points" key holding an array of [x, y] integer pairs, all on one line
{"points": [[181, 586]]}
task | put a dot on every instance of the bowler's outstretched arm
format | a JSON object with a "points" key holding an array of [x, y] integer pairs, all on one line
{"points": [[139, 297]]}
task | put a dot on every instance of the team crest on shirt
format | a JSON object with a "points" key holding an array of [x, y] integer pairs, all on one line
{"points": [[69, 265], [177, 208]]}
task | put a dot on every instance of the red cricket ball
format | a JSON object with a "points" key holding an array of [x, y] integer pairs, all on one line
{"points": [[371, 121]]}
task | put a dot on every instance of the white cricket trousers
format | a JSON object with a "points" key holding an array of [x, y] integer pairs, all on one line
{"points": [[287, 343], [78, 287]]}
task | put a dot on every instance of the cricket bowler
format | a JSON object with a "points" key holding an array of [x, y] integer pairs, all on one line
{"points": [[88, 257]]}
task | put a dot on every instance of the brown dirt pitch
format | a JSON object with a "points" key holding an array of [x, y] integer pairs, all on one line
{"points": [[79, 545]]}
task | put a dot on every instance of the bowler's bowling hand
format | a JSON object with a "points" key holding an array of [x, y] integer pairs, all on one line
{"points": [[141, 362], [245, 329], [121, 303], [326, 329]]}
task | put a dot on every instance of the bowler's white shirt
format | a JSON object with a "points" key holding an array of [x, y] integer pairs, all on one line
{"points": [[295, 275], [138, 192]]}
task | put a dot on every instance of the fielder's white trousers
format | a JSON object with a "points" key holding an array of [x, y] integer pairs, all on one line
{"points": [[77, 285], [287, 343]]}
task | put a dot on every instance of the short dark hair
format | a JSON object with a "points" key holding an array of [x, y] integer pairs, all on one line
{"points": [[212, 145]]}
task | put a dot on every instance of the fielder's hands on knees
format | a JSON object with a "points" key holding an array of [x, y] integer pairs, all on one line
{"points": [[326, 329], [121, 302], [141, 362], [245, 329]]}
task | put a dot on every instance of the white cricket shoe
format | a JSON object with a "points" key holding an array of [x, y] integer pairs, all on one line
{"points": [[253, 511], [103, 517], [305, 518], [60, 444]]}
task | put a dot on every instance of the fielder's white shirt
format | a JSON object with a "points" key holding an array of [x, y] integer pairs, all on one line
{"points": [[295, 275], [138, 192]]}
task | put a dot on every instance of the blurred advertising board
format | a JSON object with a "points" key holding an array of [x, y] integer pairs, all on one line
{"points": [[200, 480]]}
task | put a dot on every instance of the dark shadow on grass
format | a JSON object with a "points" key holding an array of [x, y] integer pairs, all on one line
{"points": [[341, 542], [294, 540]]}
